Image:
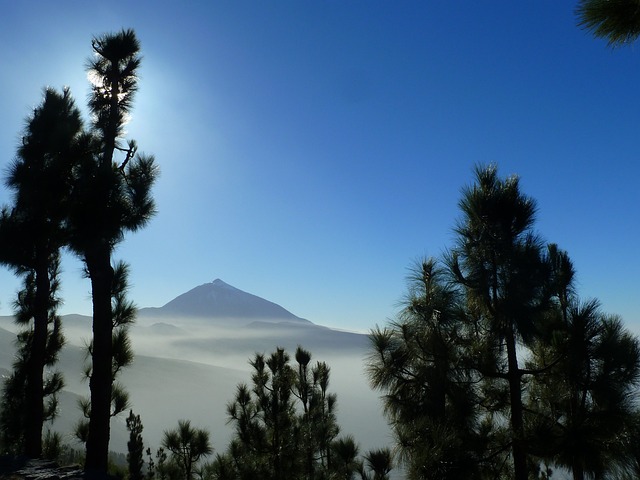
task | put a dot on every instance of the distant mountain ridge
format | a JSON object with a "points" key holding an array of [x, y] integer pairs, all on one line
{"points": [[191, 354], [219, 300]]}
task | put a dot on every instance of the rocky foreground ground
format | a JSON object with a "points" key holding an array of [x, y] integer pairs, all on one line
{"points": [[22, 469]]}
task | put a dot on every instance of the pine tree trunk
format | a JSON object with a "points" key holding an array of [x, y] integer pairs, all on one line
{"points": [[100, 384], [576, 410], [578, 472], [34, 387], [101, 274], [439, 390], [515, 396]]}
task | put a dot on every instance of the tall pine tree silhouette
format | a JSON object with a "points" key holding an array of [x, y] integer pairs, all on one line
{"points": [[32, 232], [111, 195]]}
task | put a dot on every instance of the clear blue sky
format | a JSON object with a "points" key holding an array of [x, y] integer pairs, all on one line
{"points": [[311, 150]]}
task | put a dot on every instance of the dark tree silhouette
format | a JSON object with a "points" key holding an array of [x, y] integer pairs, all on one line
{"points": [[377, 465], [15, 421], [187, 446], [499, 264], [317, 423], [32, 232], [429, 393], [123, 312], [135, 447], [285, 424], [617, 21], [344, 458], [495, 369], [110, 197], [265, 419], [587, 399]]}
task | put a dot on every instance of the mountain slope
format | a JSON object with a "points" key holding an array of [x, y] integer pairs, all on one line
{"points": [[192, 353], [219, 300], [165, 390]]}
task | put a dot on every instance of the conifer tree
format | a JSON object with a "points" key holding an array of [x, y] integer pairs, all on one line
{"points": [[123, 312], [32, 232], [585, 398], [187, 446], [377, 465], [318, 424], [495, 368], [15, 421], [273, 381], [430, 397], [344, 458], [111, 194], [135, 447], [285, 424], [617, 21], [498, 263]]}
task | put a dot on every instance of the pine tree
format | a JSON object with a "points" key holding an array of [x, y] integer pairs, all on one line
{"points": [[32, 232], [494, 368], [344, 458], [109, 198], [123, 312], [584, 400], [273, 380], [617, 21], [187, 446], [429, 393], [285, 424], [377, 465], [135, 447], [498, 263], [318, 424], [15, 421]]}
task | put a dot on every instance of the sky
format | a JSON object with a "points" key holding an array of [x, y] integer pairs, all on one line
{"points": [[312, 151]]}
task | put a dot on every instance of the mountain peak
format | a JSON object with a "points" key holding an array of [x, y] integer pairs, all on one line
{"points": [[219, 300], [221, 284]]}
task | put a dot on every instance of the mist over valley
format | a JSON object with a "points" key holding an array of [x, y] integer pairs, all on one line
{"points": [[190, 356]]}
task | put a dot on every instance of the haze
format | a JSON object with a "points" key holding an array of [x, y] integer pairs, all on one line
{"points": [[310, 151], [183, 374]]}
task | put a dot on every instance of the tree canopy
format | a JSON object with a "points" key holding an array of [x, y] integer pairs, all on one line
{"points": [[617, 21], [78, 188], [494, 367]]}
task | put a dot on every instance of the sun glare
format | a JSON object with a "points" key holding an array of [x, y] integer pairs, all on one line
{"points": [[97, 82], [94, 79]]}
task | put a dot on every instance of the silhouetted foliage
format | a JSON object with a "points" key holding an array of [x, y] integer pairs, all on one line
{"points": [[187, 446], [494, 368], [121, 351], [345, 461], [499, 266], [267, 434], [72, 191], [109, 198], [15, 422], [430, 393], [52, 445], [151, 464], [377, 465], [135, 446], [586, 399], [32, 232], [285, 424], [617, 21]]}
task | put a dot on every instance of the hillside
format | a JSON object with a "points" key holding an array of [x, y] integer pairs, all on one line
{"points": [[219, 301], [188, 366]]}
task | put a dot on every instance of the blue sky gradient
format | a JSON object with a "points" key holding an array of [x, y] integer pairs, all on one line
{"points": [[311, 151]]}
